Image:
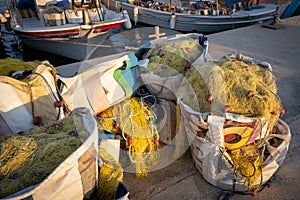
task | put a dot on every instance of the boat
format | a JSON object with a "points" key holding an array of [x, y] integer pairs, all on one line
{"points": [[68, 28], [196, 16]]}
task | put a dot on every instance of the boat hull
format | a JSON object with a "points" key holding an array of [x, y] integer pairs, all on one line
{"points": [[78, 48], [64, 37], [195, 23], [74, 42]]}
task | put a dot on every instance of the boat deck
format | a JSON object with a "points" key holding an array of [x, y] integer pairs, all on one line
{"points": [[33, 23]]}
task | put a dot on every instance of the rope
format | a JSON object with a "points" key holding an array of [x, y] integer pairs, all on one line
{"points": [[52, 92], [128, 119], [48, 85], [88, 44], [31, 99]]}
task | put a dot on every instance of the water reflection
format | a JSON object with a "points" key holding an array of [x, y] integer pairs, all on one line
{"points": [[9, 44], [128, 40]]}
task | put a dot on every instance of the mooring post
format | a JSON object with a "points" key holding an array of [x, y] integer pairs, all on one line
{"points": [[157, 34]]}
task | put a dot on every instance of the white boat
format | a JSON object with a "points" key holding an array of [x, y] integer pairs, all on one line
{"points": [[64, 27], [197, 16]]}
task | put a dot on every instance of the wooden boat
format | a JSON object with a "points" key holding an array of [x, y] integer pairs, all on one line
{"points": [[196, 16], [70, 29]]}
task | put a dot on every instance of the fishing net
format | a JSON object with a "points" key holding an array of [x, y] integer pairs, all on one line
{"points": [[27, 159], [243, 166], [172, 56], [244, 88], [248, 164], [110, 175], [196, 86], [168, 59], [9, 65], [229, 110], [136, 124], [255, 164]]}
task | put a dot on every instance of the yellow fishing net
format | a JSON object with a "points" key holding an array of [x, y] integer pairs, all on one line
{"points": [[242, 87], [245, 88], [8, 64], [248, 163], [137, 128], [195, 87], [27, 159], [110, 175], [172, 57]]}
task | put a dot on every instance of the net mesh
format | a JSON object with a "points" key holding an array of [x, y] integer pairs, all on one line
{"points": [[27, 159]]}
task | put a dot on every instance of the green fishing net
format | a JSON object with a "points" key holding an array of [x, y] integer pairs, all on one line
{"points": [[171, 57], [27, 159], [8, 64], [241, 87]]}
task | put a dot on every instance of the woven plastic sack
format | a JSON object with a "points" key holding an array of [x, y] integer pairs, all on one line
{"points": [[23, 99], [100, 86], [214, 164], [77, 175], [184, 47]]}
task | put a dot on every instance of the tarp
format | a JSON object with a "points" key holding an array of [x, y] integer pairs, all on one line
{"points": [[101, 86]]}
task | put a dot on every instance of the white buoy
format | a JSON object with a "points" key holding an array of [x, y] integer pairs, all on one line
{"points": [[135, 14], [127, 24], [172, 21]]}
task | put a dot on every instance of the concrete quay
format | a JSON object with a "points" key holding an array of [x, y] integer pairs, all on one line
{"points": [[281, 48]]}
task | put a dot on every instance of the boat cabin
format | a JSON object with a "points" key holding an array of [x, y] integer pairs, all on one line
{"points": [[60, 12]]}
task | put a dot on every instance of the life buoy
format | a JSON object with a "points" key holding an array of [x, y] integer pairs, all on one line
{"points": [[236, 137]]}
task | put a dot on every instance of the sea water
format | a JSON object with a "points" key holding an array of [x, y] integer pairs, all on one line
{"points": [[126, 40]]}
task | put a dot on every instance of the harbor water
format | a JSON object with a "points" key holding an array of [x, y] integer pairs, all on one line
{"points": [[11, 46], [126, 40]]}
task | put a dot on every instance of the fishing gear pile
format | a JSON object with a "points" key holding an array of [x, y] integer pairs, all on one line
{"points": [[11, 65], [238, 97], [26, 159], [135, 123], [110, 175], [172, 57], [232, 85]]}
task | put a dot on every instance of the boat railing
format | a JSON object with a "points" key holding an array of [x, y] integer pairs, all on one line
{"points": [[56, 13], [198, 7]]}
